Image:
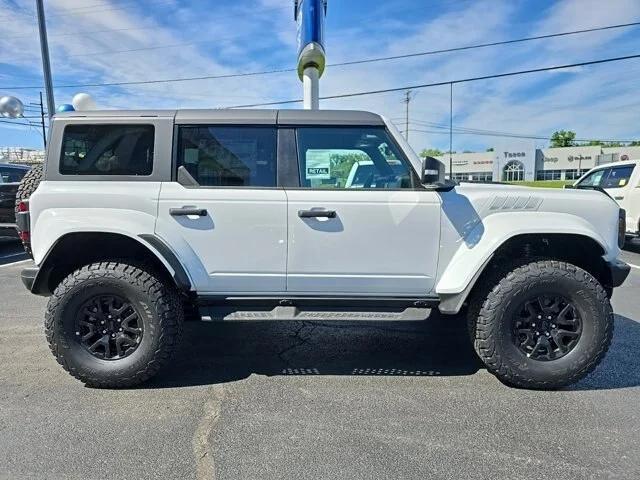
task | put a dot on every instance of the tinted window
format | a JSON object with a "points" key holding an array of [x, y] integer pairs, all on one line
{"points": [[358, 157], [229, 156], [594, 178], [618, 177], [12, 175], [107, 150], [613, 177]]}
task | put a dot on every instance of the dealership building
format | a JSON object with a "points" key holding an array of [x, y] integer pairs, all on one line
{"points": [[517, 161]]}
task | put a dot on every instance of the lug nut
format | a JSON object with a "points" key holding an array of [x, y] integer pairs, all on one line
{"points": [[548, 334], [553, 325], [533, 324], [104, 331], [109, 316], [539, 316], [77, 333], [119, 329], [101, 322], [113, 335], [549, 318]]}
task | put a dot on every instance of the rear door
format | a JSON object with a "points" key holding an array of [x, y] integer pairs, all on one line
{"points": [[232, 219], [359, 221]]}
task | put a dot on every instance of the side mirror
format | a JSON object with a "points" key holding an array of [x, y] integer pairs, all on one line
{"points": [[432, 171]]}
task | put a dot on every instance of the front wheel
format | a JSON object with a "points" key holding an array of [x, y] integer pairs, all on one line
{"points": [[111, 324], [543, 325]]}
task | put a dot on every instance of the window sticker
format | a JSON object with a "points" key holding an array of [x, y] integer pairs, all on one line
{"points": [[318, 165], [191, 156], [622, 182]]}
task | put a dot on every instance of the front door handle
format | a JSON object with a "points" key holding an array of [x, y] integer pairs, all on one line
{"points": [[317, 213], [619, 197], [184, 211]]}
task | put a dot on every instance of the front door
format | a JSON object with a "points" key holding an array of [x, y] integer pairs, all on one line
{"points": [[360, 223], [229, 217]]}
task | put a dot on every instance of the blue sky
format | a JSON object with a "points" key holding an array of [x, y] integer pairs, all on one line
{"points": [[179, 38]]}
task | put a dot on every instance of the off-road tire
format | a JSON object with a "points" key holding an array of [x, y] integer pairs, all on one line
{"points": [[161, 314], [28, 184], [491, 313]]}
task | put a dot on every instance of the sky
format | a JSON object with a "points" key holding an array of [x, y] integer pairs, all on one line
{"points": [[104, 41]]}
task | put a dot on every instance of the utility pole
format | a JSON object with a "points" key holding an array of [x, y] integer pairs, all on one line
{"points": [[44, 131], [450, 131], [46, 63], [407, 100]]}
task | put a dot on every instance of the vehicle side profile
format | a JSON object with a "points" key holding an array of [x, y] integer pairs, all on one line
{"points": [[621, 180], [142, 217]]}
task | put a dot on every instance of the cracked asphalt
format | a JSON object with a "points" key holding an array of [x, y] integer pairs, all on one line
{"points": [[310, 400]]}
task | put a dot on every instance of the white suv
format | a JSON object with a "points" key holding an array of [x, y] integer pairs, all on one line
{"points": [[621, 180], [141, 215]]}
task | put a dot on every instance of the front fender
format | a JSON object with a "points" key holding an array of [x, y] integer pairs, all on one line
{"points": [[480, 243]]}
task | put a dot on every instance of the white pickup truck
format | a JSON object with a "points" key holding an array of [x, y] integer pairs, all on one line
{"points": [[140, 215], [621, 180]]}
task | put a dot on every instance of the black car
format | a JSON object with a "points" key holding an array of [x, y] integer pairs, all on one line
{"points": [[10, 176]]}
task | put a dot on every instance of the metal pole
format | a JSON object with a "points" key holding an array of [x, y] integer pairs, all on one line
{"points": [[311, 86], [407, 100], [44, 131], [450, 131], [46, 64]]}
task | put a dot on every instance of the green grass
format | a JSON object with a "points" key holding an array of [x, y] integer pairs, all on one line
{"points": [[544, 183]]}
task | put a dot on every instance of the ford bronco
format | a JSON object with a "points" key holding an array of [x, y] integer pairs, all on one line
{"points": [[141, 216]]}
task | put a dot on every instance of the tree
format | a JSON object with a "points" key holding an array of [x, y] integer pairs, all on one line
{"points": [[635, 143], [431, 152], [490, 149], [563, 138]]}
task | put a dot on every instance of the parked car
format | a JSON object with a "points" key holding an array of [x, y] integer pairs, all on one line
{"points": [[10, 177], [140, 215], [621, 180]]}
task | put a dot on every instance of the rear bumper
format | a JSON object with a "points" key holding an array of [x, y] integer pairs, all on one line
{"points": [[28, 277], [8, 230], [619, 272]]}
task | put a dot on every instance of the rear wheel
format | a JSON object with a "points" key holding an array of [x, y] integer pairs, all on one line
{"points": [[112, 324], [546, 324]]}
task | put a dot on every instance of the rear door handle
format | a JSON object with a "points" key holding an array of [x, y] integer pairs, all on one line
{"points": [[184, 211], [619, 197], [317, 213]]}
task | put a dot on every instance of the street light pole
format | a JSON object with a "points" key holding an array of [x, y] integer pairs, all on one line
{"points": [[46, 64]]}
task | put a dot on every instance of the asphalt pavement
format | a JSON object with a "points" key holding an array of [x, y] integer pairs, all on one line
{"points": [[311, 400]]}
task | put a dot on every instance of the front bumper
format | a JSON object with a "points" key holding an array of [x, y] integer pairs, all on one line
{"points": [[619, 272]]}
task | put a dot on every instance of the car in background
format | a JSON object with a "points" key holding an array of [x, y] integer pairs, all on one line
{"points": [[621, 180], [10, 177]]}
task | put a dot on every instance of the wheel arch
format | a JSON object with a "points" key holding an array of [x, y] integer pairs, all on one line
{"points": [[74, 250], [578, 249]]}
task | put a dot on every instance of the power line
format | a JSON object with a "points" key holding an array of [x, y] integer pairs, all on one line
{"points": [[436, 84], [288, 70], [485, 45], [511, 135]]}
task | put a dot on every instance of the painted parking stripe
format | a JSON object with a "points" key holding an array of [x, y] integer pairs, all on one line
{"points": [[633, 266]]}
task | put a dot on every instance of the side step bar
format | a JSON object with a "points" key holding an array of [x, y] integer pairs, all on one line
{"points": [[395, 309]]}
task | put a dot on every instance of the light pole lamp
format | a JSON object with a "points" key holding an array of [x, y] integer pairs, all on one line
{"points": [[310, 15]]}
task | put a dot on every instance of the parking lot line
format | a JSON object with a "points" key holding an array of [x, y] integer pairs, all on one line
{"points": [[633, 266]]}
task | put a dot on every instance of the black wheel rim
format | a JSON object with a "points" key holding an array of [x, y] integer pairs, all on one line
{"points": [[547, 327], [109, 327]]}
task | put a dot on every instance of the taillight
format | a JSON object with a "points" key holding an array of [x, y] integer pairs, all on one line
{"points": [[24, 236], [23, 207], [622, 227]]}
